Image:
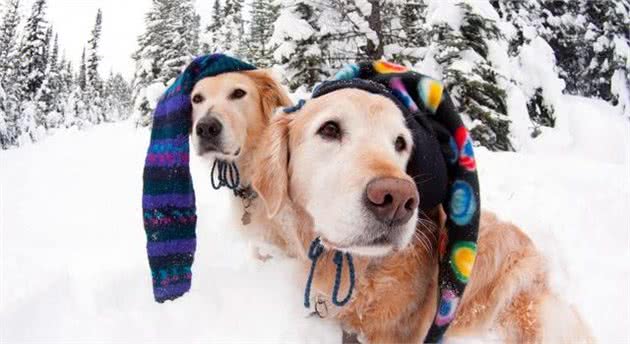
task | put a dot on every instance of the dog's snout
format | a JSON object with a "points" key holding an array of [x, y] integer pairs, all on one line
{"points": [[209, 128], [391, 200]]}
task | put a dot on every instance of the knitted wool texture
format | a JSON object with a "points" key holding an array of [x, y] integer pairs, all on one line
{"points": [[443, 155], [168, 199]]}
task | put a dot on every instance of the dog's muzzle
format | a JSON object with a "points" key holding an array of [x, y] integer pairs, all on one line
{"points": [[209, 132]]}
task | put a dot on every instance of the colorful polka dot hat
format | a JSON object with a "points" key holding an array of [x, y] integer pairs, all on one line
{"points": [[443, 156], [168, 199]]}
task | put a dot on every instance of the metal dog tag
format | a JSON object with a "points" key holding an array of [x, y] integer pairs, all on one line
{"points": [[246, 219]]}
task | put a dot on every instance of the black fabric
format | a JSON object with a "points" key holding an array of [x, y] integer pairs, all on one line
{"points": [[427, 165]]}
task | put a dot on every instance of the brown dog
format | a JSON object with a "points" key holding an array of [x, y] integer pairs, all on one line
{"points": [[230, 112], [321, 171]]}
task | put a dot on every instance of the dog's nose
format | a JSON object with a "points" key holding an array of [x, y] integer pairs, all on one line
{"points": [[209, 128], [391, 200]]}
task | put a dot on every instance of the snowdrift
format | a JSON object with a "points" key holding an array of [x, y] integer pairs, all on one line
{"points": [[73, 264]]}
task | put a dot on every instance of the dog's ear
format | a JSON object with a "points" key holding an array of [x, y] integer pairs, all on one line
{"points": [[271, 177], [272, 94]]}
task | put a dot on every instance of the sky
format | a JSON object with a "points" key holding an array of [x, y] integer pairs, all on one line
{"points": [[123, 21]]}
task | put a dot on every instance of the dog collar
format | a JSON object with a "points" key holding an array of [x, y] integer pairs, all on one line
{"points": [[314, 253]]}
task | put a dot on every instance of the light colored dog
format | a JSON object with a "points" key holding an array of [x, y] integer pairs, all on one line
{"points": [[230, 112], [323, 171]]}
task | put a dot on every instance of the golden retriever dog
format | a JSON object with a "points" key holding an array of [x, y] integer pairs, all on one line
{"points": [[230, 112], [323, 166]]}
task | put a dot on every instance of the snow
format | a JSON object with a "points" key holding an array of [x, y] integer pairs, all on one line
{"points": [[444, 11], [534, 68], [73, 255], [153, 93], [595, 131], [620, 86], [290, 25], [73, 265], [364, 6]]}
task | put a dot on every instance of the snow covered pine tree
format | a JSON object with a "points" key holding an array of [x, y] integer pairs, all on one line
{"points": [[169, 43], [38, 89]]}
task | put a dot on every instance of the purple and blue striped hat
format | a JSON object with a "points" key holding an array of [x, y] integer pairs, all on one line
{"points": [[168, 199]]}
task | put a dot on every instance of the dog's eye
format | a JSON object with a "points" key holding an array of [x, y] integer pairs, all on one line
{"points": [[238, 94], [400, 144], [330, 131], [197, 98]]}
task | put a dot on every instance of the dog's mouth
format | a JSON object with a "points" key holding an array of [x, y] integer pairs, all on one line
{"points": [[212, 152], [380, 245], [380, 241]]}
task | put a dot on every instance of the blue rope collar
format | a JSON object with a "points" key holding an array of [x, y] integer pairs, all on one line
{"points": [[225, 174], [314, 253]]}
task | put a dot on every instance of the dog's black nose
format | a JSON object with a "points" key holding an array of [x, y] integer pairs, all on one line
{"points": [[208, 128], [391, 200]]}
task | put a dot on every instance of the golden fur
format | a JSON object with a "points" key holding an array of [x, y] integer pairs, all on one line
{"points": [[244, 120], [395, 297]]}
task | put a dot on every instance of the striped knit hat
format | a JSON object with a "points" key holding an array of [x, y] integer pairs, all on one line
{"points": [[443, 156], [168, 199]]}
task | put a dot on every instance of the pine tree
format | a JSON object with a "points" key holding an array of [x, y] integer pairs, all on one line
{"points": [[53, 58], [92, 95], [264, 13], [529, 20], [211, 35], [5, 136], [65, 84], [8, 36], [30, 74], [170, 41], [71, 95], [93, 60], [217, 19], [412, 17], [607, 24], [302, 48], [230, 37], [317, 38], [82, 76], [374, 45], [11, 91], [181, 38], [525, 16], [475, 88], [565, 32], [48, 97], [48, 42], [32, 50], [117, 94], [240, 23]]}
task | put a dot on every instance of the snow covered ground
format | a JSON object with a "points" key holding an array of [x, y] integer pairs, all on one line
{"points": [[73, 264]]}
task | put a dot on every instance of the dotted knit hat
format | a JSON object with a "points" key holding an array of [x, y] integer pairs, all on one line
{"points": [[443, 156]]}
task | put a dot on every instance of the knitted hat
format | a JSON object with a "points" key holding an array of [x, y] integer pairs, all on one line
{"points": [[443, 162], [168, 199]]}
